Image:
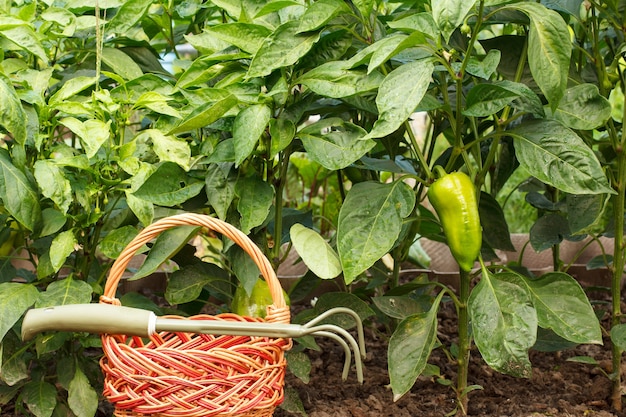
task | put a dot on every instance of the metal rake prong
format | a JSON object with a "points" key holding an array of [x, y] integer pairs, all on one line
{"points": [[355, 316], [332, 331]]}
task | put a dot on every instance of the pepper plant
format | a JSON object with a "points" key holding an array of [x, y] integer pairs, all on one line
{"points": [[293, 121]]}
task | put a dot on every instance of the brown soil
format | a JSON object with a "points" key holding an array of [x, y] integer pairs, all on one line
{"points": [[557, 387]]}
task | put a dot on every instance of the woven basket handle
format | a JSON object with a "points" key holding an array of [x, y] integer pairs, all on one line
{"points": [[277, 312]]}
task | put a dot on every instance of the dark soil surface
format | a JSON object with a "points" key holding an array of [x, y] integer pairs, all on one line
{"points": [[558, 387]]}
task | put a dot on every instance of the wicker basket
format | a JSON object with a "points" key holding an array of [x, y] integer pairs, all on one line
{"points": [[182, 374]]}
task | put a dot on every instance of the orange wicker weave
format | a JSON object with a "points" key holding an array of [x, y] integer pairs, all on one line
{"points": [[184, 375]]}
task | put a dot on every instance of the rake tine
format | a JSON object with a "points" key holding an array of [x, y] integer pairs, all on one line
{"points": [[331, 330], [343, 310]]}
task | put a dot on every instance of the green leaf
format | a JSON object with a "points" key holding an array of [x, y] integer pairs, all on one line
{"points": [[399, 94], [63, 245], [12, 115], [584, 210], [282, 132], [420, 22], [557, 156], [168, 147], [249, 125], [335, 143], [15, 299], [245, 36], [71, 88], [300, 365], [40, 398], [398, 307], [26, 38], [386, 48], [121, 64], [321, 12], [284, 47], [205, 114], [167, 245], [583, 108], [82, 397], [220, 189], [65, 291], [410, 346], [315, 252], [92, 133], [495, 228], [335, 79], [549, 230], [487, 99], [504, 322], [116, 240], [53, 183], [370, 222], [563, 307], [486, 67], [618, 336], [128, 16], [169, 186], [450, 14], [143, 209], [185, 285], [549, 49], [156, 102], [18, 195], [255, 200]]}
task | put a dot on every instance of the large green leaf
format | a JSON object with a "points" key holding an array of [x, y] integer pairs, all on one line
{"points": [[315, 252], [335, 79], [65, 291], [563, 307], [450, 14], [335, 143], [321, 12], [487, 99], [185, 285], [583, 108], [504, 322], [249, 125], [128, 16], [370, 222], [25, 37], [410, 346], [549, 49], [120, 63], [15, 299], [92, 133], [53, 183], [169, 186], [495, 228], [40, 398], [12, 115], [557, 156], [167, 245], [82, 397], [245, 36], [385, 48], [168, 147], [205, 114], [284, 47], [63, 245], [19, 197], [220, 189], [399, 94], [255, 200], [282, 132]]}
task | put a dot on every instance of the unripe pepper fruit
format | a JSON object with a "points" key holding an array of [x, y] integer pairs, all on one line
{"points": [[453, 197]]}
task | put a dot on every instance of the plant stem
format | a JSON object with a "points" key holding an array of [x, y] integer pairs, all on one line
{"points": [[464, 343], [618, 268]]}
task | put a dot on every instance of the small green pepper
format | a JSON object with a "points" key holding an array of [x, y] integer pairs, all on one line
{"points": [[453, 197]]}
